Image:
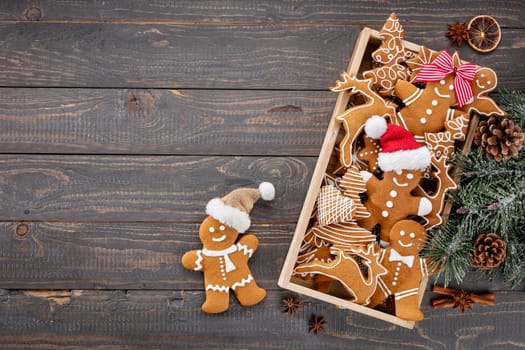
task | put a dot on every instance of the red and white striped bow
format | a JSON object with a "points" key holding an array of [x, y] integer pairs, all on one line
{"points": [[442, 66]]}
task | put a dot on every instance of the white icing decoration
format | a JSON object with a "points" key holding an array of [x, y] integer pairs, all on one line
{"points": [[389, 204], [423, 120], [384, 214], [434, 103], [412, 235], [393, 194], [222, 228], [442, 82], [212, 229], [451, 87], [410, 176], [402, 233], [428, 111]]}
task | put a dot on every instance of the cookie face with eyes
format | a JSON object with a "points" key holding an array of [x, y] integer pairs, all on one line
{"points": [[408, 237], [215, 235], [484, 82]]}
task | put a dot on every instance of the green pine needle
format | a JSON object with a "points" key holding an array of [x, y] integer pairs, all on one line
{"points": [[490, 198]]}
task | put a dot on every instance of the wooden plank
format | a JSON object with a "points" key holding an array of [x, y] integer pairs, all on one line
{"points": [[207, 122], [120, 255], [123, 255], [166, 320], [206, 56], [162, 188], [509, 13]]}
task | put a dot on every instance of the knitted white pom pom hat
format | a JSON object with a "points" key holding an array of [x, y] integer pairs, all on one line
{"points": [[234, 208]]}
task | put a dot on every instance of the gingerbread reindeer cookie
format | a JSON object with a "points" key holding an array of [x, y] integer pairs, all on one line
{"points": [[354, 118], [224, 258]]}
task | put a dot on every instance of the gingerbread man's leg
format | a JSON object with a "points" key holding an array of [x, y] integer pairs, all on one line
{"points": [[407, 306], [249, 294], [217, 301]]}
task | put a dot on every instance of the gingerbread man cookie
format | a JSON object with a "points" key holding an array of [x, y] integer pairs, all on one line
{"points": [[429, 109], [484, 82], [403, 160], [405, 270], [224, 259]]}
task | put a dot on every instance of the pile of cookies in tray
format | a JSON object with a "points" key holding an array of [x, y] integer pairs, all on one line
{"points": [[375, 208]]}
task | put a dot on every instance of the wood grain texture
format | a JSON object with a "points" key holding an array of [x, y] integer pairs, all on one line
{"points": [[163, 319], [124, 255], [130, 121], [207, 56], [509, 13], [61, 255], [169, 188]]}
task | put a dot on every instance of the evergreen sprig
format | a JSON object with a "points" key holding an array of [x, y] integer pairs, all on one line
{"points": [[490, 198]]}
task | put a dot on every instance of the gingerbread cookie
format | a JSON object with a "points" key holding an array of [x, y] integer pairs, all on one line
{"points": [[402, 160], [405, 270], [352, 185], [441, 144], [389, 56], [333, 207], [344, 234], [440, 175], [425, 56], [224, 259], [430, 109], [354, 118], [346, 269], [484, 82], [368, 154]]}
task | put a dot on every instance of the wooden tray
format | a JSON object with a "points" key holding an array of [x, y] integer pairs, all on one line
{"points": [[367, 41]]}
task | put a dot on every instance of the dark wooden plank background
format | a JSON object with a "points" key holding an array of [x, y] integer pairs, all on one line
{"points": [[118, 122]]}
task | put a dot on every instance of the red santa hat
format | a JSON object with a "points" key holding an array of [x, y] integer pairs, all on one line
{"points": [[399, 148]]}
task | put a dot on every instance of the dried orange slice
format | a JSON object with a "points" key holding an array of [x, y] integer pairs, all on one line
{"points": [[484, 33]]}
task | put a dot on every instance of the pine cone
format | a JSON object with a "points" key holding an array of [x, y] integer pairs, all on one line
{"points": [[489, 251], [499, 138]]}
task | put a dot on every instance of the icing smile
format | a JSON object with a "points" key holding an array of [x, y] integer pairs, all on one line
{"points": [[400, 184], [479, 85], [436, 91], [404, 245], [220, 239]]}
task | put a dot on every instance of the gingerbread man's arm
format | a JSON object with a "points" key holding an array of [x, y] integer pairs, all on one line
{"points": [[192, 260], [403, 89], [420, 207], [248, 243]]}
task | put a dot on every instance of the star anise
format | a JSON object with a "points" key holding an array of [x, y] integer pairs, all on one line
{"points": [[316, 324], [457, 33], [462, 300], [457, 298], [291, 305]]}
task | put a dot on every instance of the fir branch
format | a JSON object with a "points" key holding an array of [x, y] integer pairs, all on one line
{"points": [[490, 198]]}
